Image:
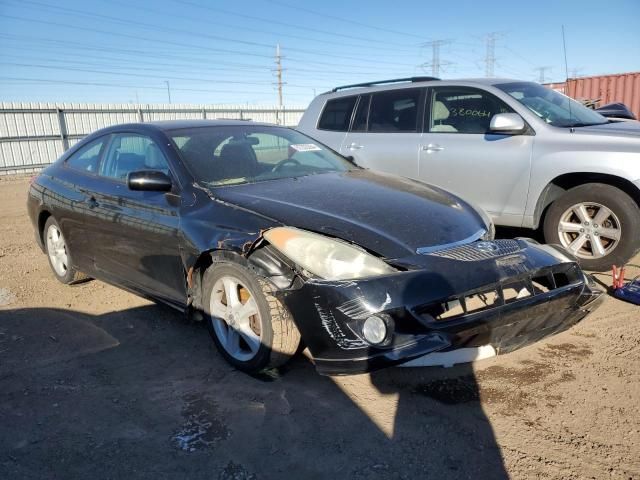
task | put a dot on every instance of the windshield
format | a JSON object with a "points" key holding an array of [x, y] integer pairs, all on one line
{"points": [[231, 155], [552, 107]]}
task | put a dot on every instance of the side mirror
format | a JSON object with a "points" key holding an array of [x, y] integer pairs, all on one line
{"points": [[149, 180], [507, 123]]}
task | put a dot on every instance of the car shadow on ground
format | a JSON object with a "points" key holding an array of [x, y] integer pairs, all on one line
{"points": [[142, 393]]}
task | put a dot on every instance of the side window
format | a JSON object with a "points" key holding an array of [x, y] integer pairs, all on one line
{"points": [[337, 114], [362, 114], [394, 111], [463, 110], [129, 152], [88, 157]]}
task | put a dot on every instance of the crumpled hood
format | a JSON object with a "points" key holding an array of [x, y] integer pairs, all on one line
{"points": [[386, 214]]}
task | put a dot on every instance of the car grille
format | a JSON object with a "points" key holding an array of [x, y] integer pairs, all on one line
{"points": [[476, 251]]}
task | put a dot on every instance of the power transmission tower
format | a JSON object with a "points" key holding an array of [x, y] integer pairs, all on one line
{"points": [[436, 63], [541, 73], [490, 57], [575, 72], [279, 74]]}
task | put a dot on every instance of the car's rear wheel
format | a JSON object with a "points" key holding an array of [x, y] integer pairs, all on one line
{"points": [[59, 254], [250, 327], [598, 223]]}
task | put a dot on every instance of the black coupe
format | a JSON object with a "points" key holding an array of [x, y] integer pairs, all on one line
{"points": [[278, 240]]}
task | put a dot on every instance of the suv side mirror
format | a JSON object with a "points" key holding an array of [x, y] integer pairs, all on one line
{"points": [[507, 123], [149, 180]]}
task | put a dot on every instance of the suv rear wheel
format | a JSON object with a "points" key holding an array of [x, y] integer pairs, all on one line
{"points": [[597, 223]]}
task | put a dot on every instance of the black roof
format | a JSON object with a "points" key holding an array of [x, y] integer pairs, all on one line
{"points": [[195, 123], [177, 124]]}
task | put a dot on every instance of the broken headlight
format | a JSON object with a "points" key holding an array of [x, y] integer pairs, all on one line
{"points": [[324, 257]]}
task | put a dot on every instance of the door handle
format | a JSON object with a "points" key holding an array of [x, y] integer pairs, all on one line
{"points": [[432, 147], [355, 146]]}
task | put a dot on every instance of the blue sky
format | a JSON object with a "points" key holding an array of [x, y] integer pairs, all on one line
{"points": [[223, 52]]}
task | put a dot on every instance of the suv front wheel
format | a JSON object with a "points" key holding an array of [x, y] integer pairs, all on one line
{"points": [[597, 223]]}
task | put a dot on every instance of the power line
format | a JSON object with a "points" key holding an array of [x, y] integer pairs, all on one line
{"points": [[165, 55], [140, 75], [188, 45], [342, 19], [117, 85], [305, 28], [163, 68], [236, 27], [165, 29]]}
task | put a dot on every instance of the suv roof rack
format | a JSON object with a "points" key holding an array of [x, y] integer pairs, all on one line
{"points": [[382, 82]]}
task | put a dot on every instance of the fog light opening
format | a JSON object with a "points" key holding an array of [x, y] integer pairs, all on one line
{"points": [[374, 330]]}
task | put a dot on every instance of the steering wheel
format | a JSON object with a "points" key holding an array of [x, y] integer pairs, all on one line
{"points": [[281, 163]]}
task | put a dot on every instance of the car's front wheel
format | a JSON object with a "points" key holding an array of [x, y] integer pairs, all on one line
{"points": [[250, 327], [598, 223], [59, 254]]}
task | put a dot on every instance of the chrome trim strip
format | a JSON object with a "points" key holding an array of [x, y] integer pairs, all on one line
{"points": [[476, 236]]}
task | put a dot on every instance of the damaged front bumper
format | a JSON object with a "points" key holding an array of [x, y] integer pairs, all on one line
{"points": [[506, 294]]}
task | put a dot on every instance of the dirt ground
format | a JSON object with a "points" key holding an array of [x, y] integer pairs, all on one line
{"points": [[98, 383]]}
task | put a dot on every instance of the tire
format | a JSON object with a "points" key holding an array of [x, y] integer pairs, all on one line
{"points": [[613, 241], [61, 263], [279, 338]]}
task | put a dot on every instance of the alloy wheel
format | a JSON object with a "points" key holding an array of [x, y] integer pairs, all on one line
{"points": [[236, 318], [57, 250], [589, 230]]}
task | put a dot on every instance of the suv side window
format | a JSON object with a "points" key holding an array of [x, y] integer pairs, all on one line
{"points": [[463, 110], [129, 152], [394, 111], [337, 114], [88, 157]]}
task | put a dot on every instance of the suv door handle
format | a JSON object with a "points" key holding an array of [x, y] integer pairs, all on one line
{"points": [[432, 147], [355, 146]]}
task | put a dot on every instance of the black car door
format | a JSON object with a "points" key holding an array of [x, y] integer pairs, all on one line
{"points": [[135, 234], [69, 199]]}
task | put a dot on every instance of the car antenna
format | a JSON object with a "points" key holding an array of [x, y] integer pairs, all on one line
{"points": [[566, 74]]}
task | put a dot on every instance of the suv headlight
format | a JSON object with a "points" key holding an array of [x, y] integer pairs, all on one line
{"points": [[325, 257]]}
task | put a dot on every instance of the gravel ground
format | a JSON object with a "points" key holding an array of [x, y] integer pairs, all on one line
{"points": [[98, 383]]}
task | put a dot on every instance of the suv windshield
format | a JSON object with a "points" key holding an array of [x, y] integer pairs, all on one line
{"points": [[229, 155], [553, 107]]}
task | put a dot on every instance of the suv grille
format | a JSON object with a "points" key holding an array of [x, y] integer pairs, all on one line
{"points": [[473, 252]]}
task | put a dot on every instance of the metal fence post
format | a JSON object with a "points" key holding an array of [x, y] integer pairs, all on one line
{"points": [[140, 115], [62, 125], [240, 111], [204, 113]]}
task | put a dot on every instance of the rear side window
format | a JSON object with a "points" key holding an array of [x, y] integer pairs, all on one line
{"points": [[394, 111], [87, 158], [337, 114]]}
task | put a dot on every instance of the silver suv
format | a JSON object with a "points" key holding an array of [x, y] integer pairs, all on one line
{"points": [[526, 154]]}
